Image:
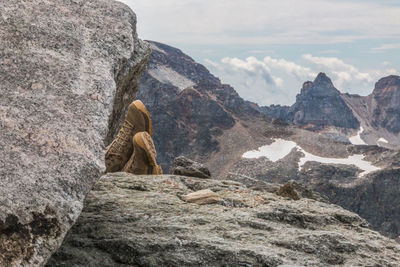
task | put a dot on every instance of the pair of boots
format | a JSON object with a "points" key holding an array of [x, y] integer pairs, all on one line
{"points": [[133, 150]]}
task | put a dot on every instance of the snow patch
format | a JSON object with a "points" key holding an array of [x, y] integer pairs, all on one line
{"points": [[165, 74], [277, 150], [156, 48], [383, 140], [280, 148], [356, 140]]}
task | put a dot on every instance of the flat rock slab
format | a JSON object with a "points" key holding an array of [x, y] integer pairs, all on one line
{"points": [[144, 221], [205, 196], [63, 65]]}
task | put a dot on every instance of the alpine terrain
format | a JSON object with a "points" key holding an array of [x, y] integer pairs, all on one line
{"points": [[69, 70], [343, 146]]}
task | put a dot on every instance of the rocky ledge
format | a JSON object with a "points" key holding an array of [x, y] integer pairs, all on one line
{"points": [[145, 221]]}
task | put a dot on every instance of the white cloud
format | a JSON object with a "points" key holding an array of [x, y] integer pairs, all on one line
{"points": [[252, 67], [278, 81], [385, 47], [344, 74], [267, 81], [265, 22], [290, 68], [313, 27]]}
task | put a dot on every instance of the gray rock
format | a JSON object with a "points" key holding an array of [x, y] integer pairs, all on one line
{"points": [[63, 64], [144, 221], [295, 191], [186, 167]]}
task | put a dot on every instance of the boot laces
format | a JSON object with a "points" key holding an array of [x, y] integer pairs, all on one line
{"points": [[122, 139]]}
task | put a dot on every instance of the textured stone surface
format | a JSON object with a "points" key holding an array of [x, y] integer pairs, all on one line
{"points": [[144, 221], [186, 167], [201, 197], [63, 63]]}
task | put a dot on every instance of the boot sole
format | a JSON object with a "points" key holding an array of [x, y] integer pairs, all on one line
{"points": [[142, 108], [144, 141]]}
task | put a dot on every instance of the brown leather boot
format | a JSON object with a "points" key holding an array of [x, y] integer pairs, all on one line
{"points": [[143, 160], [120, 150]]}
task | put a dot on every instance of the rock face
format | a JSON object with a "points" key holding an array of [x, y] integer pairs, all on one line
{"points": [[186, 167], [190, 108], [318, 105], [386, 96], [67, 68], [144, 221]]}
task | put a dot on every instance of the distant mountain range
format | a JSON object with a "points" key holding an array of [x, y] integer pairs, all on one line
{"points": [[321, 107], [316, 141]]}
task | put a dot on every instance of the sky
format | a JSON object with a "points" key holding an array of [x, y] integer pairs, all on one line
{"points": [[266, 49]]}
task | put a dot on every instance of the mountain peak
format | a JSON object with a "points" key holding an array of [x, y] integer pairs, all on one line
{"points": [[321, 87], [386, 82], [323, 80]]}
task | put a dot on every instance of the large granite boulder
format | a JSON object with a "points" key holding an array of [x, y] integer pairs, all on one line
{"points": [[63, 65], [145, 221]]}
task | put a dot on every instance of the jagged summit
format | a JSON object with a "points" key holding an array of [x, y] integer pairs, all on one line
{"points": [[319, 105], [392, 81], [323, 79], [321, 87]]}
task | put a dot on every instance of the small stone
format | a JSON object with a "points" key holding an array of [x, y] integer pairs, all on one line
{"points": [[186, 167], [36, 86], [287, 190], [202, 197]]}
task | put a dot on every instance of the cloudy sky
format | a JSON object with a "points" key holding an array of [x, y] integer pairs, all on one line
{"points": [[266, 49]]}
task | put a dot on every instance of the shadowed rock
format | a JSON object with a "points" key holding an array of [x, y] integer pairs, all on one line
{"points": [[186, 167]]}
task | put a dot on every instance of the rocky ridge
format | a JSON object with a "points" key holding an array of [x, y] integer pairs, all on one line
{"points": [[144, 221], [67, 70]]}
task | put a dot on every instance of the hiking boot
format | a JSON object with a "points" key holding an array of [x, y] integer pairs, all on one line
{"points": [[120, 150], [143, 160]]}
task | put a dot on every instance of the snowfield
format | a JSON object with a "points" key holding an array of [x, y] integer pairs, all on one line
{"points": [[383, 140], [165, 74], [356, 140], [280, 148]]}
